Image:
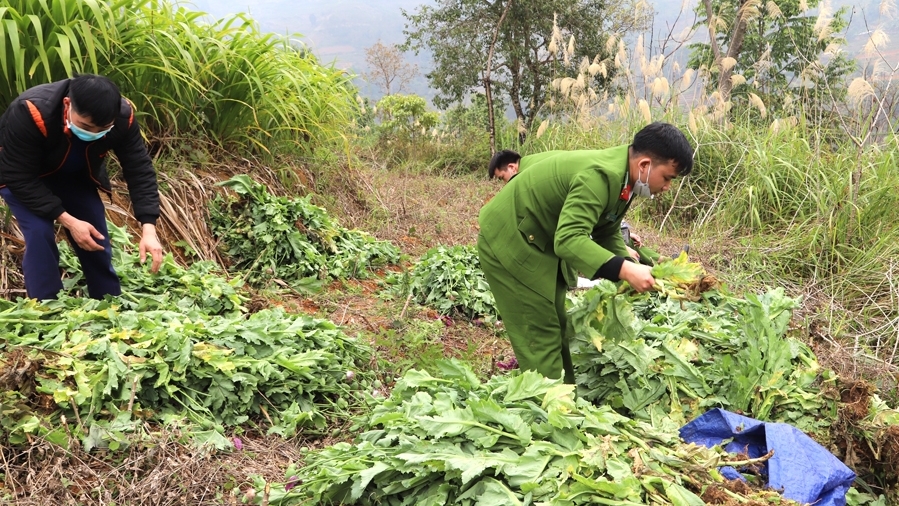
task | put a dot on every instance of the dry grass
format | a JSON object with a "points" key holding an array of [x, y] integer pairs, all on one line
{"points": [[416, 211], [160, 471], [12, 283]]}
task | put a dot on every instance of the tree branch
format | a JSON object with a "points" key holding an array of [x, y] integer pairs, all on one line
{"points": [[487, 83], [733, 51], [710, 21]]}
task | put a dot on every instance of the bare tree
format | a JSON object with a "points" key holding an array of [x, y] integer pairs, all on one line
{"points": [[387, 68]]}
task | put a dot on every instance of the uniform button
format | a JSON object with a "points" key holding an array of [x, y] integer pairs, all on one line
{"points": [[531, 237]]}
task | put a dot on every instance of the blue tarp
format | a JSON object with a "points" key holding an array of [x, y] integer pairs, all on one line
{"points": [[804, 470]]}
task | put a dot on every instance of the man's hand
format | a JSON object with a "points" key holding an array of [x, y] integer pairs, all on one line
{"points": [[82, 232], [639, 276], [633, 253], [636, 240], [149, 243]]}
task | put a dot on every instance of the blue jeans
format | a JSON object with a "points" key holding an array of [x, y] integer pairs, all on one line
{"points": [[41, 262]]}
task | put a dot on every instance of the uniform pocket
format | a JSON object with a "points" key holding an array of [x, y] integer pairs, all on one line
{"points": [[533, 233]]}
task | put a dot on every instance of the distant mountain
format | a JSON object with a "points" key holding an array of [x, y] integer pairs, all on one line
{"points": [[339, 31]]}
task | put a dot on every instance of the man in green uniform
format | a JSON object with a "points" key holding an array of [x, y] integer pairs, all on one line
{"points": [[504, 165], [562, 216]]}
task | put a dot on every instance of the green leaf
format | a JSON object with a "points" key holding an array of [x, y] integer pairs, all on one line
{"points": [[680, 367], [530, 466], [458, 371], [211, 438], [680, 496], [490, 492], [365, 478], [628, 488], [633, 356], [488, 410], [451, 423], [528, 385]]}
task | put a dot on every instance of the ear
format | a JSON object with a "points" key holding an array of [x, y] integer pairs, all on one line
{"points": [[644, 162]]}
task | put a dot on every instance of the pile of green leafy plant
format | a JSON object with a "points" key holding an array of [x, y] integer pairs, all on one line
{"points": [[198, 286], [516, 439], [866, 436], [673, 354], [98, 364], [269, 237], [450, 280]]}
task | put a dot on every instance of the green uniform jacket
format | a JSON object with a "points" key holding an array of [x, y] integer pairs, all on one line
{"points": [[549, 212]]}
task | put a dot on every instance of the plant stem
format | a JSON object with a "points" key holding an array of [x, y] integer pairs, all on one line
{"points": [[742, 463]]}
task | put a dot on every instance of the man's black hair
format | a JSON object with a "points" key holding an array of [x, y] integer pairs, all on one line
{"points": [[96, 97], [500, 160], [664, 142]]}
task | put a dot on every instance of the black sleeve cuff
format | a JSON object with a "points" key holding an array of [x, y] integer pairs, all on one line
{"points": [[54, 213], [146, 219], [610, 270]]}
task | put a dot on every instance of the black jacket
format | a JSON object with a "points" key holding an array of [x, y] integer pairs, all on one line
{"points": [[34, 143]]}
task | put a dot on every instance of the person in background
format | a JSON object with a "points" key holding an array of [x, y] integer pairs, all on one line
{"points": [[562, 216], [54, 139], [503, 165]]}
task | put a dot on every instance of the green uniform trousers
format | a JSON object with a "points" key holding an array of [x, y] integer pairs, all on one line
{"points": [[537, 327], [648, 256]]}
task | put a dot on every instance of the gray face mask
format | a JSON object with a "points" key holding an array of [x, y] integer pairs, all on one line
{"points": [[641, 189]]}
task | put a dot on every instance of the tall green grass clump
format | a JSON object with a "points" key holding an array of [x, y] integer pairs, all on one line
{"points": [[225, 82], [43, 41], [806, 211], [231, 82]]}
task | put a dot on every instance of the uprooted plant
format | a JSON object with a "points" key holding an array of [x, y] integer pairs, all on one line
{"points": [[289, 239]]}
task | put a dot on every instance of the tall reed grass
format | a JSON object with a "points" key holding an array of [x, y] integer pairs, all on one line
{"points": [[810, 212]]}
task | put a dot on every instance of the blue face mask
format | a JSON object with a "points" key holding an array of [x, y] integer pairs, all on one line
{"points": [[84, 134]]}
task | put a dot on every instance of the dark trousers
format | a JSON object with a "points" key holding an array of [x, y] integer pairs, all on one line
{"points": [[41, 261]]}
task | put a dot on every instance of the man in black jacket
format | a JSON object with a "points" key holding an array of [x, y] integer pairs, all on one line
{"points": [[54, 139]]}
